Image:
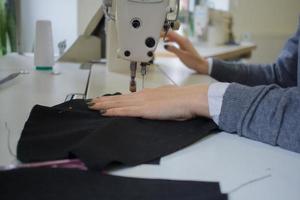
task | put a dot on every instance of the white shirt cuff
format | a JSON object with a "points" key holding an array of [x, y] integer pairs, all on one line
{"points": [[216, 93], [210, 65]]}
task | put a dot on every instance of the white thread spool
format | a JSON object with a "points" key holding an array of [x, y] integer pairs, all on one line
{"points": [[43, 51]]}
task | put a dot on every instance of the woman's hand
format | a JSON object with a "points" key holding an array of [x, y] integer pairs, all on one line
{"points": [[187, 53], [164, 103]]}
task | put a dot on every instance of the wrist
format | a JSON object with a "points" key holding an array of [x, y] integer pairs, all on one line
{"points": [[203, 99], [199, 105], [203, 66]]}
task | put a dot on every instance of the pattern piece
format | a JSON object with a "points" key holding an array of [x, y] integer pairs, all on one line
{"points": [[61, 184], [71, 130]]}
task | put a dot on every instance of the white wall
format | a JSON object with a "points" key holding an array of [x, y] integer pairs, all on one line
{"points": [[62, 13], [269, 22], [86, 10], [219, 4]]}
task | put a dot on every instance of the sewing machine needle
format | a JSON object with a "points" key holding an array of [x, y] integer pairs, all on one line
{"points": [[143, 82], [132, 85], [143, 73]]}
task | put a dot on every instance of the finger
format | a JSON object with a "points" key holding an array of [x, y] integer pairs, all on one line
{"points": [[183, 42], [168, 87], [180, 40], [114, 104], [113, 98], [183, 55], [109, 101], [172, 35], [131, 111], [174, 50]]}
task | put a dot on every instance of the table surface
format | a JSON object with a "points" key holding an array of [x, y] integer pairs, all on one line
{"points": [[225, 158], [18, 96]]}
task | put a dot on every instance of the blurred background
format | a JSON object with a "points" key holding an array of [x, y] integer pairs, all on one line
{"points": [[267, 23]]}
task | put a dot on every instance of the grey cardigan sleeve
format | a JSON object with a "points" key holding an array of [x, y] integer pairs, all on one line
{"points": [[269, 111], [283, 72], [269, 114]]}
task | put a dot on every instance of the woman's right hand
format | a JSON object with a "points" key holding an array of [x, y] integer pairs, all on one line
{"points": [[187, 53]]}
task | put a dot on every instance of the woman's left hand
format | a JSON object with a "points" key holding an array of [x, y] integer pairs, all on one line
{"points": [[163, 103]]}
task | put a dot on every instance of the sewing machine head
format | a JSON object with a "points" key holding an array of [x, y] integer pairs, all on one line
{"points": [[138, 25]]}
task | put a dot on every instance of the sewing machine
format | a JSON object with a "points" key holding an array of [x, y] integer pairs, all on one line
{"points": [[133, 30]]}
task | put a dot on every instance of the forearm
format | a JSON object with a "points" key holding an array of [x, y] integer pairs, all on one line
{"points": [[265, 113], [251, 74]]}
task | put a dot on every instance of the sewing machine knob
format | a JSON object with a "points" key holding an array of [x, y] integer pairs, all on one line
{"points": [[127, 53], [150, 54], [136, 23], [150, 42]]}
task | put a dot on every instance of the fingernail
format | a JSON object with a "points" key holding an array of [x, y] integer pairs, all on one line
{"points": [[91, 104], [166, 46], [102, 112]]}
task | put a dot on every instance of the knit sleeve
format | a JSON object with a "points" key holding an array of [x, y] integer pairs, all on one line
{"points": [[269, 114]]}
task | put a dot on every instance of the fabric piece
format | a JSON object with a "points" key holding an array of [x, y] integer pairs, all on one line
{"points": [[71, 130], [216, 93], [60, 184]]}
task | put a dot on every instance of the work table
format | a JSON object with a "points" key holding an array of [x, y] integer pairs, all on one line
{"points": [[225, 158], [18, 96]]}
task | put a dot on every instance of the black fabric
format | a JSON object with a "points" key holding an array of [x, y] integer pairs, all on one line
{"points": [[60, 184], [71, 130]]}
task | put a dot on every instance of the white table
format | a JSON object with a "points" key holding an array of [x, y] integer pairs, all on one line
{"points": [[18, 96], [225, 158]]}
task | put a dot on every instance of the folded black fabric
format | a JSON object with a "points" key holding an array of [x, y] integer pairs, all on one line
{"points": [[71, 130], [61, 184]]}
